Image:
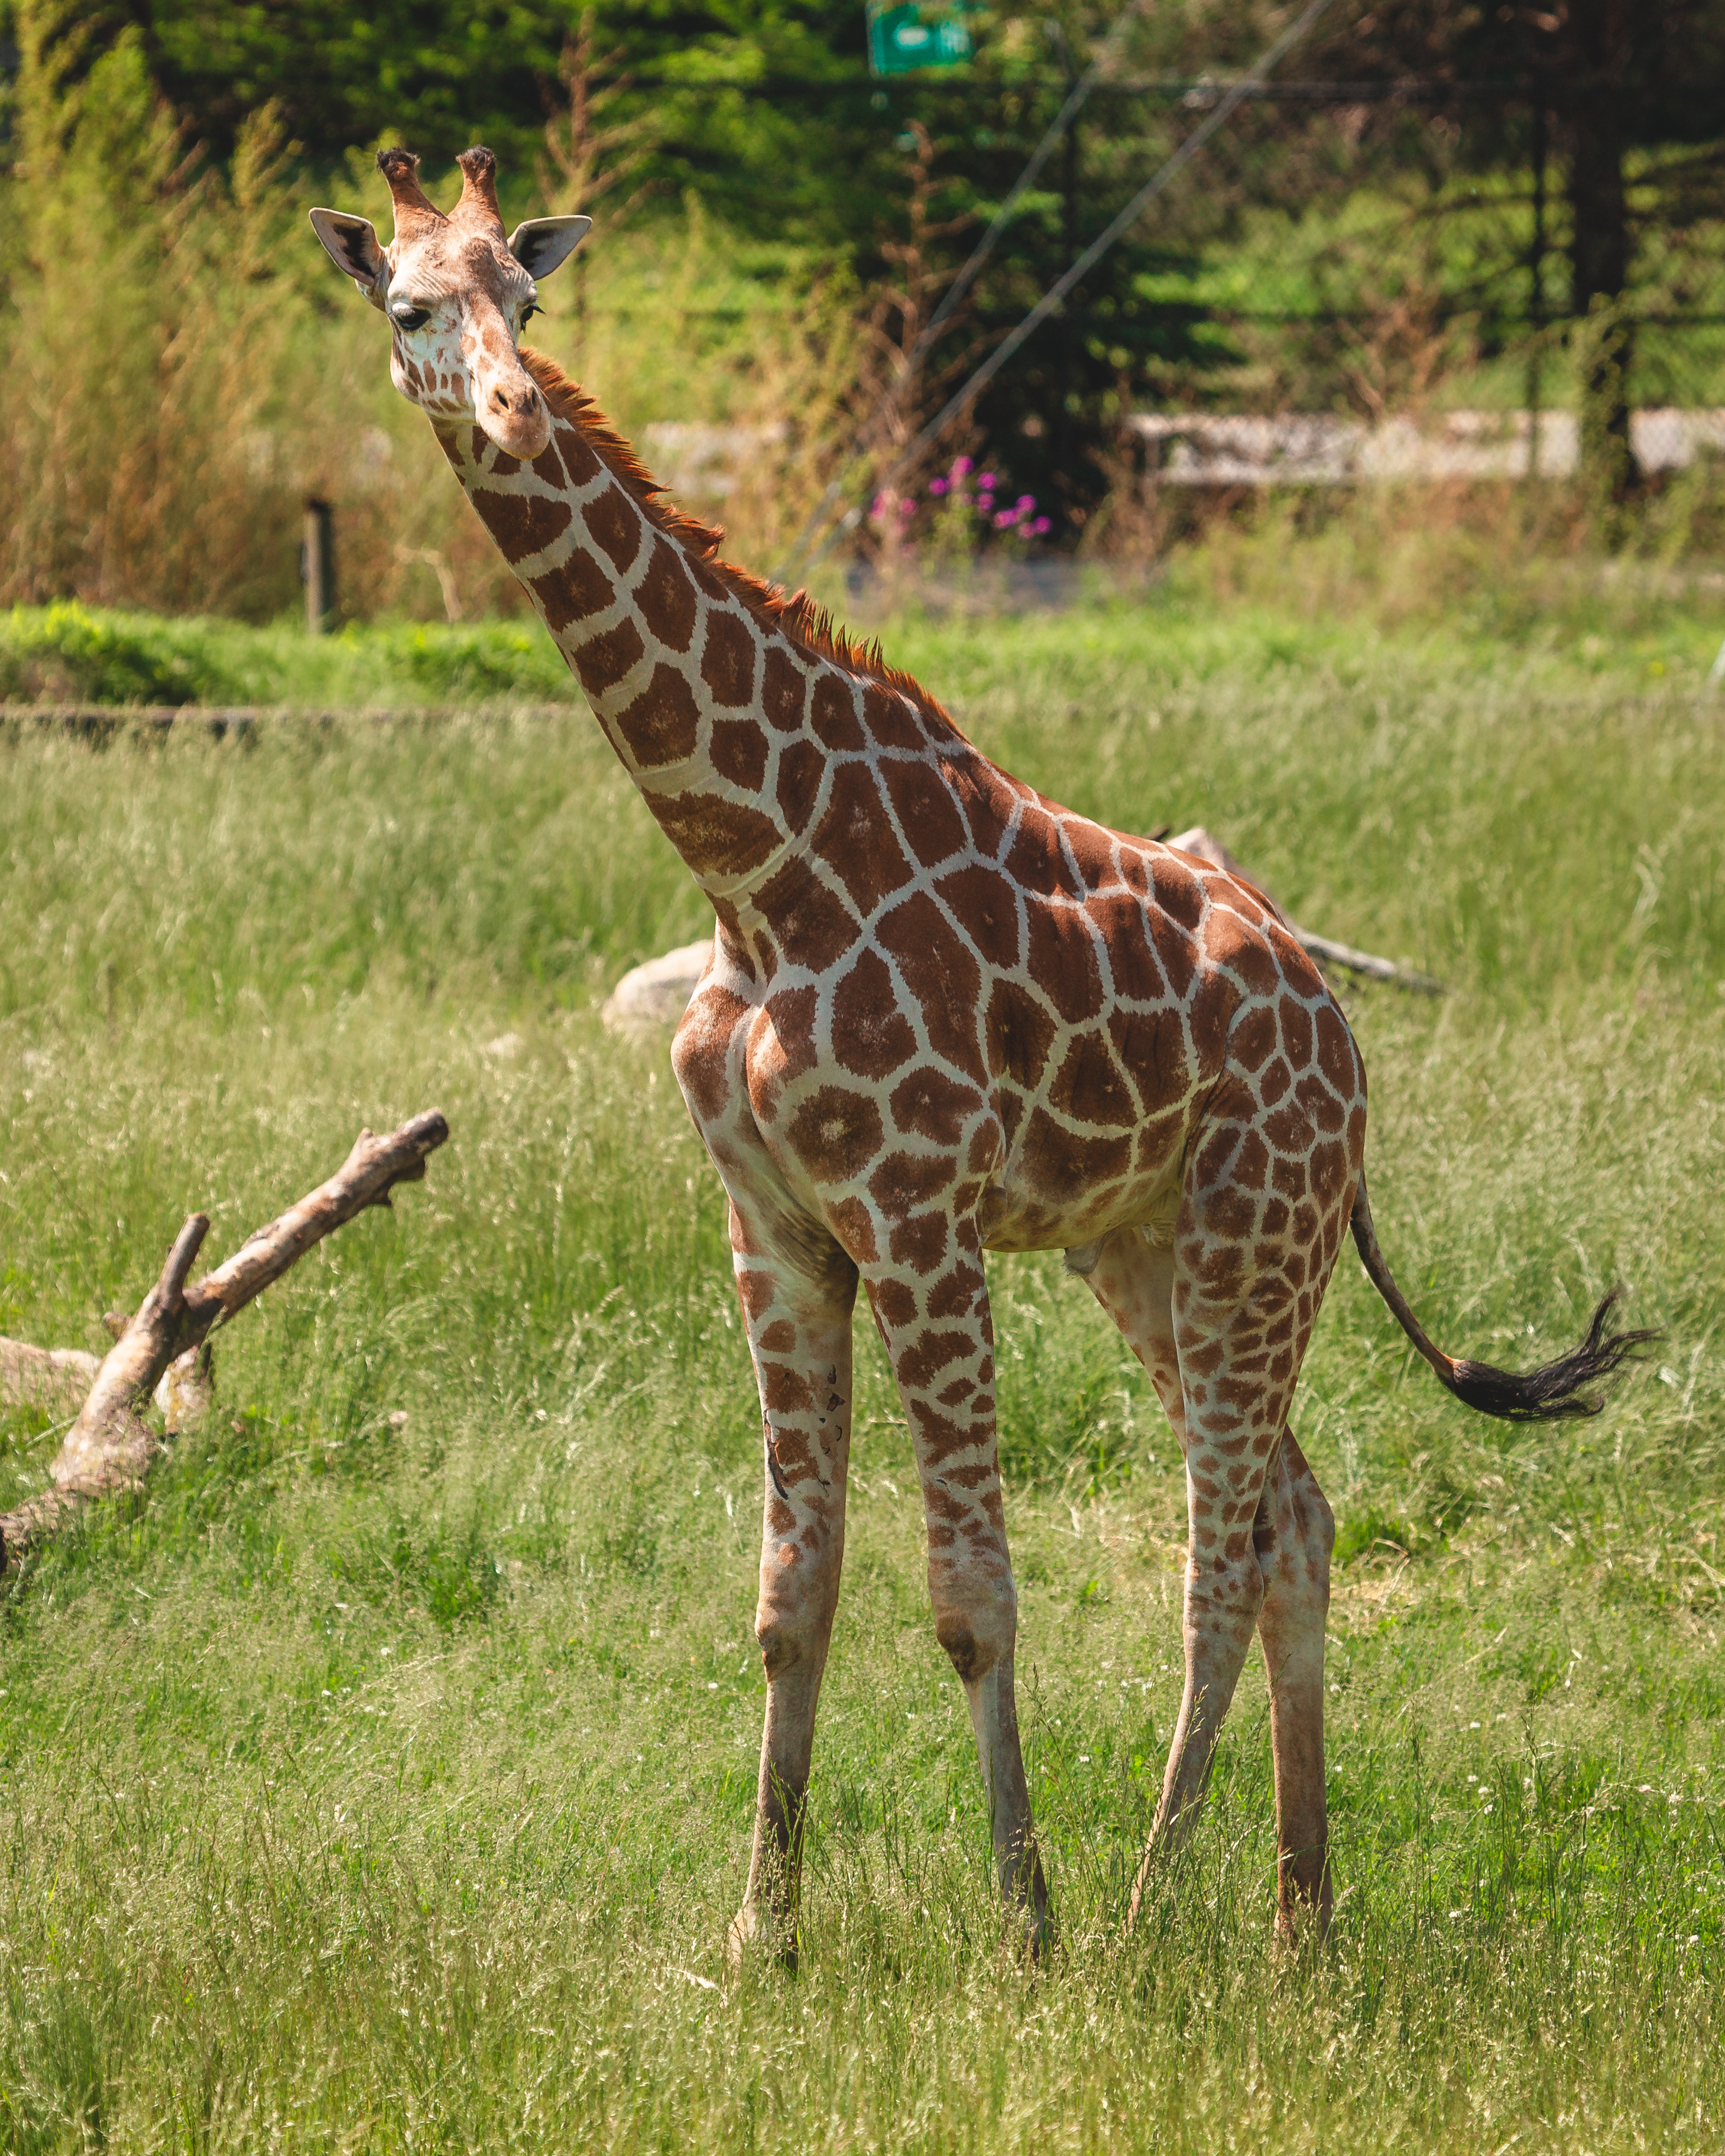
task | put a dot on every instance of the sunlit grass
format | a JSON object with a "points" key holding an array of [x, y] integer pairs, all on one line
{"points": [[382, 1783]]}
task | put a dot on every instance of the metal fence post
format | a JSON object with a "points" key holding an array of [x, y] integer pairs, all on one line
{"points": [[317, 567], [1536, 266]]}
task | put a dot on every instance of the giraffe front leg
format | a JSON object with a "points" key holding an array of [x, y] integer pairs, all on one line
{"points": [[941, 1341], [798, 1292]]}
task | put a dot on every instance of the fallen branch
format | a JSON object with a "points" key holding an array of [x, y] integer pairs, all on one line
{"points": [[650, 997], [1324, 948], [109, 1447], [1328, 952]]}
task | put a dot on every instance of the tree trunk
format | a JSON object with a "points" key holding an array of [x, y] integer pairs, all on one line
{"points": [[1600, 243]]}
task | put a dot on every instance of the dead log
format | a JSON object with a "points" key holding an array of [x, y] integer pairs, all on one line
{"points": [[57, 1380], [1324, 949], [187, 1390], [109, 1447]]}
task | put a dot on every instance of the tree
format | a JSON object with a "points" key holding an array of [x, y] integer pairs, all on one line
{"points": [[765, 109], [1634, 93]]}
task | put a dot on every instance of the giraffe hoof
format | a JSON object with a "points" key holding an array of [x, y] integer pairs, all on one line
{"points": [[1027, 1941], [1305, 1926], [755, 1938]]}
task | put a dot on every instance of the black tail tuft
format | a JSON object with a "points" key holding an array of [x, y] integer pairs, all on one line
{"points": [[1550, 1394]]}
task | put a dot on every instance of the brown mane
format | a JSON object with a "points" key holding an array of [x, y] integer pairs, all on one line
{"points": [[796, 616]]}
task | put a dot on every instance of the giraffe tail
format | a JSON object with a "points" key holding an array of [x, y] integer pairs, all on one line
{"points": [[1543, 1395]]}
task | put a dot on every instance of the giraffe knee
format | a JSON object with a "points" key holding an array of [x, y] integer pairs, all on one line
{"points": [[784, 1641], [976, 1622], [1224, 1596], [791, 1630], [1294, 1542]]}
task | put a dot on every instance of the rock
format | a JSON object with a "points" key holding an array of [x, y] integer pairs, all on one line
{"points": [[651, 997], [1199, 841]]}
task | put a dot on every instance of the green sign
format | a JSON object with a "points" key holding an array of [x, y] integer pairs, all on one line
{"points": [[917, 33]]}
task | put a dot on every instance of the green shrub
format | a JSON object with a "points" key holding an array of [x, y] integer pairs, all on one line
{"points": [[65, 653], [486, 660]]}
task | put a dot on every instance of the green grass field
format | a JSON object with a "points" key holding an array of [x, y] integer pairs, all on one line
{"points": [[381, 1784]]}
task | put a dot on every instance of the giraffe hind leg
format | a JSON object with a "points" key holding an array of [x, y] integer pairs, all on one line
{"points": [[1135, 1280], [1292, 1532], [1293, 1535]]}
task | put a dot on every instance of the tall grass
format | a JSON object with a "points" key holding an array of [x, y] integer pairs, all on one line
{"points": [[369, 1784]]}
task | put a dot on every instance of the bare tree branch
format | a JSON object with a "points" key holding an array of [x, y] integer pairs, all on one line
{"points": [[109, 1447]]}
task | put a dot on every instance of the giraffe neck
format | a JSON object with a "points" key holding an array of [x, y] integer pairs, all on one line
{"points": [[730, 710]]}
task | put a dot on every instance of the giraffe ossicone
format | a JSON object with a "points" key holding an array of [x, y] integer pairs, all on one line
{"points": [[943, 1016]]}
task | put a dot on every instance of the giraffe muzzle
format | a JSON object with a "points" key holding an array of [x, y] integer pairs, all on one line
{"points": [[513, 414]]}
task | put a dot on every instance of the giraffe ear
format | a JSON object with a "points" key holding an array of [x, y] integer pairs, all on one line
{"points": [[545, 243], [352, 246]]}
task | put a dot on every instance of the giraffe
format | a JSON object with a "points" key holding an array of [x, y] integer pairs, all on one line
{"points": [[943, 1016]]}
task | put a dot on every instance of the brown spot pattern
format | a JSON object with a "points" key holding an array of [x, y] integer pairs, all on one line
{"points": [[663, 724], [615, 524], [666, 598], [604, 660], [727, 659], [522, 524], [856, 839]]}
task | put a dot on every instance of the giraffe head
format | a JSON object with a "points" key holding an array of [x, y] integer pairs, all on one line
{"points": [[456, 291]]}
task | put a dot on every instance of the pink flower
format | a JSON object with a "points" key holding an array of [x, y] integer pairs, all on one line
{"points": [[907, 509], [961, 466], [1026, 502], [1036, 529], [985, 502], [879, 506], [1006, 519], [986, 479], [939, 485]]}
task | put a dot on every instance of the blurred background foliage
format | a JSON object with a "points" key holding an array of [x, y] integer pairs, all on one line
{"points": [[1432, 205]]}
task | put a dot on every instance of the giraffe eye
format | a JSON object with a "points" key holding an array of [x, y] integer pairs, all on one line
{"points": [[410, 318], [529, 312]]}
